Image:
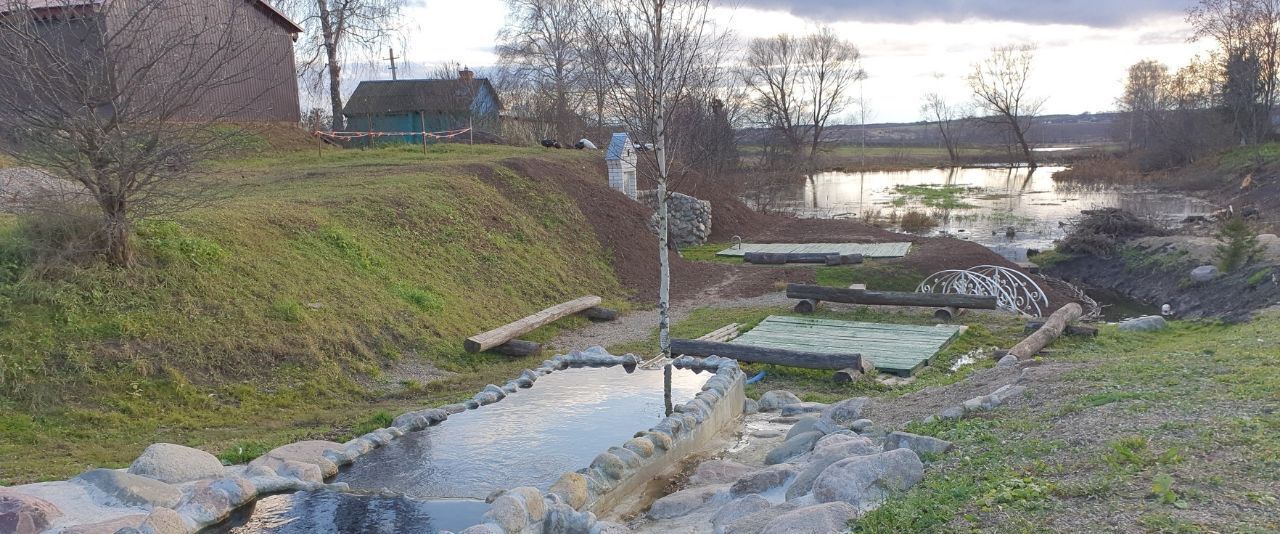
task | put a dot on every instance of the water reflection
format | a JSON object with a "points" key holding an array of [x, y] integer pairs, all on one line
{"points": [[998, 198], [324, 512]]}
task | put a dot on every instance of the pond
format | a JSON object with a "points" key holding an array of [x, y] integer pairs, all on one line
{"points": [[438, 478], [978, 203]]}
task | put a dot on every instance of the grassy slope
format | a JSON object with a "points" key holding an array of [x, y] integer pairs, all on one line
{"points": [[250, 317]]}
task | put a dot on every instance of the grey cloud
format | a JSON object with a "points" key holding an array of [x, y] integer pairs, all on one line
{"points": [[1097, 13]]}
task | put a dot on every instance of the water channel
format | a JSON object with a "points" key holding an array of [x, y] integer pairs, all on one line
{"points": [[987, 202], [438, 478]]}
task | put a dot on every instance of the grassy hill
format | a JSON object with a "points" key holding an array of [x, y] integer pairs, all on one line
{"points": [[320, 291]]}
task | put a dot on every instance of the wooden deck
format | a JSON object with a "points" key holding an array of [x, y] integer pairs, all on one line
{"points": [[894, 348], [867, 250]]}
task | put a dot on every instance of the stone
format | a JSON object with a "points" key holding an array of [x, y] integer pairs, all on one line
{"points": [[1007, 392], [1149, 323], [1204, 273], [109, 526], [763, 480], [954, 413], [803, 408], [738, 509], [485, 398], [805, 424], [847, 411], [827, 452], [175, 464], [1008, 360], [130, 490], [572, 488], [561, 519], [718, 472], [485, 528], [25, 514], [682, 502], [629, 458], [642, 447], [793, 447], [534, 503], [163, 521], [211, 502], [610, 465], [756, 522], [454, 408], [660, 440], [415, 421], [490, 388], [775, 400], [509, 513], [860, 426], [919, 444], [866, 481], [766, 433], [301, 471], [608, 527], [980, 404], [750, 407], [818, 519], [309, 452]]}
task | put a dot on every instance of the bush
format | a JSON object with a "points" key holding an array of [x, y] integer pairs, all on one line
{"points": [[1100, 232], [916, 222], [1237, 244]]}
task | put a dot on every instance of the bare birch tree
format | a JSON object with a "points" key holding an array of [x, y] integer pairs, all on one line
{"points": [[336, 32], [657, 51], [999, 86], [126, 99]]}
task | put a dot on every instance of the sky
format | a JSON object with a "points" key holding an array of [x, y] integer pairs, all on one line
{"points": [[909, 47]]}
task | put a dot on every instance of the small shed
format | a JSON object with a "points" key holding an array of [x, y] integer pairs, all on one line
{"points": [[621, 158], [426, 105]]}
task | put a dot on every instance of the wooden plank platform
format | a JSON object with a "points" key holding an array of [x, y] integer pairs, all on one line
{"points": [[867, 250], [894, 348]]}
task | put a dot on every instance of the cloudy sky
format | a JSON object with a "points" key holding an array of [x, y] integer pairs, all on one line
{"points": [[910, 47]]}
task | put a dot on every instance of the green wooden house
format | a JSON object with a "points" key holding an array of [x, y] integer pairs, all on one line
{"points": [[407, 108]]}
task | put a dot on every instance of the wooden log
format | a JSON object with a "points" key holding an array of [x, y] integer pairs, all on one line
{"points": [[1072, 329], [518, 347], [779, 258], [1053, 327], [722, 334], [844, 259], [948, 313], [600, 314], [854, 374], [806, 306], [750, 354], [890, 298], [493, 338]]}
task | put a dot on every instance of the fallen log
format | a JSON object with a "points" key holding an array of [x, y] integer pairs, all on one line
{"points": [[806, 306], [750, 354], [1052, 329], [780, 258], [843, 259], [600, 314], [890, 298], [722, 334], [854, 374], [1072, 329], [518, 347], [948, 313], [493, 338]]}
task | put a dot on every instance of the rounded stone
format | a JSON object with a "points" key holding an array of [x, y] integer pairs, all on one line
{"points": [[24, 514], [572, 488], [775, 400], [534, 503], [610, 465], [660, 440], [175, 464], [131, 490], [642, 447], [508, 512], [163, 521]]}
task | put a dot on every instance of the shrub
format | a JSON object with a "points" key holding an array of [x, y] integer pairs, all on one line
{"points": [[1237, 244], [916, 222], [1100, 232]]}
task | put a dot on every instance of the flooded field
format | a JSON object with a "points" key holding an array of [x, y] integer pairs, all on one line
{"points": [[981, 204], [438, 478]]}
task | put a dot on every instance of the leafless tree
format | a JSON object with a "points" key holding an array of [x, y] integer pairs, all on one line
{"points": [[1248, 32], [999, 86], [657, 51], [543, 41], [948, 118], [800, 83], [336, 32], [1143, 101], [125, 99]]}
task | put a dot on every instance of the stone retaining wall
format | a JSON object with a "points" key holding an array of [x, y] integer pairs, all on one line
{"points": [[690, 218]]}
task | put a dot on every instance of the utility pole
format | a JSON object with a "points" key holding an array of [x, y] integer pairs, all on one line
{"points": [[392, 57]]}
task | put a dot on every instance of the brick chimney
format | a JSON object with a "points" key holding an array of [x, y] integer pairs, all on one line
{"points": [[466, 75]]}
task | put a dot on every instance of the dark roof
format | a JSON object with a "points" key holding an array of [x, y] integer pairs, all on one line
{"points": [[376, 97], [9, 6]]}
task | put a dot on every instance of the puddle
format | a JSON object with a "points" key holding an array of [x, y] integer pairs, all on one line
{"points": [[442, 474]]}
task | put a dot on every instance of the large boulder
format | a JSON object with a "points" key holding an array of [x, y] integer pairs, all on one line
{"points": [[775, 400], [130, 490], [572, 488], [307, 452], [738, 509], [718, 472], [24, 514], [818, 519], [212, 501], [866, 481], [792, 447], [682, 502], [810, 424], [802, 408], [176, 464], [919, 444], [829, 450], [109, 526], [763, 480], [846, 412], [1204, 273], [1149, 323]]}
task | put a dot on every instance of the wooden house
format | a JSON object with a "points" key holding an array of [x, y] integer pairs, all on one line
{"points": [[408, 107], [621, 159]]}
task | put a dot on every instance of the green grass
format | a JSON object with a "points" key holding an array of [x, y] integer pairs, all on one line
{"points": [[1259, 277], [281, 312], [875, 275], [939, 196]]}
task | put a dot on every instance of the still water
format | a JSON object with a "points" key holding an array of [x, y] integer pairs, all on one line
{"points": [[994, 200], [437, 479]]}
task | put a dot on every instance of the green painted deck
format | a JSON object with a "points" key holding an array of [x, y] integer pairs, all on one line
{"points": [[868, 250], [893, 348]]}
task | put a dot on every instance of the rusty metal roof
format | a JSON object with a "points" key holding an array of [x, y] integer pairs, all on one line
{"points": [[377, 97]]}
